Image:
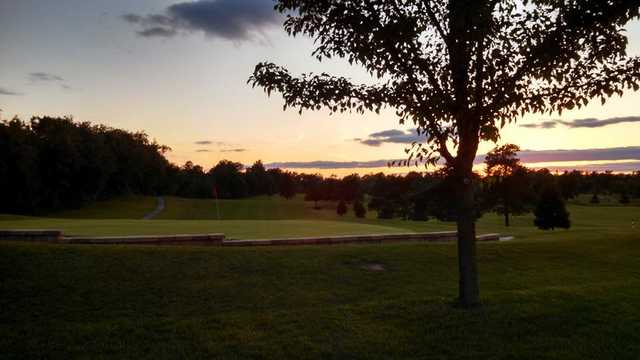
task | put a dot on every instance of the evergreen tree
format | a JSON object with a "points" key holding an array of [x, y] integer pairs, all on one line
{"points": [[550, 212], [359, 209], [342, 208]]}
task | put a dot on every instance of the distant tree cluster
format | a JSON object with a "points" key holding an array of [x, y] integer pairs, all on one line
{"points": [[55, 163], [50, 163]]}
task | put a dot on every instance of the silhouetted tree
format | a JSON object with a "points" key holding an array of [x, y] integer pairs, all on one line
{"points": [[510, 188], [341, 209], [595, 199], [624, 198], [460, 70], [229, 181], [287, 185], [358, 209], [550, 213]]}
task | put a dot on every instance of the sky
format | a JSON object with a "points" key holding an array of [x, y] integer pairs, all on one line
{"points": [[178, 69]]}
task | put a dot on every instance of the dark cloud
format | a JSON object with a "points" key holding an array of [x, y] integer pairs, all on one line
{"points": [[233, 150], [329, 164], [527, 156], [609, 154], [157, 31], [7, 92], [583, 123], [209, 142], [44, 77], [543, 125], [391, 137], [616, 167], [236, 20], [203, 150]]}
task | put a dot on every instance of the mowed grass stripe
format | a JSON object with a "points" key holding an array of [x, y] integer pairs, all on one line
{"points": [[233, 229]]}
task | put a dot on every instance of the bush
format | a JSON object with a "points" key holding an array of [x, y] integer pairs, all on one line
{"points": [[386, 210], [595, 199], [550, 212], [342, 208], [359, 209], [624, 198]]}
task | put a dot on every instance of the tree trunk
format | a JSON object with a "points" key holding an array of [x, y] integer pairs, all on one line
{"points": [[469, 292], [506, 210]]}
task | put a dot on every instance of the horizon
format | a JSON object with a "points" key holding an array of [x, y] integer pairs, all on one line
{"points": [[187, 88]]}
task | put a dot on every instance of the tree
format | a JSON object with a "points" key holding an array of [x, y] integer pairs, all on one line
{"points": [[359, 209], [342, 208], [510, 186], [459, 70], [550, 213], [595, 199], [624, 198], [287, 185]]}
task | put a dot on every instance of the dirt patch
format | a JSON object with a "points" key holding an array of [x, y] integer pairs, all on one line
{"points": [[374, 267]]}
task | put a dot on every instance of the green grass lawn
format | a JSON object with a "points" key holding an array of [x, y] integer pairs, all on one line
{"points": [[569, 298], [262, 207], [569, 294], [131, 207], [234, 229]]}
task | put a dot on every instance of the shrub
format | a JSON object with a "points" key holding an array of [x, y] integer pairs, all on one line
{"points": [[550, 212], [359, 209], [342, 208], [624, 198]]}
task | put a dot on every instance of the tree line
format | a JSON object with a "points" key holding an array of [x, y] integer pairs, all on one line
{"points": [[50, 164]]}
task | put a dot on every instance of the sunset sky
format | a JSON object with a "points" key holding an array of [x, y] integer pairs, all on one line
{"points": [[180, 75]]}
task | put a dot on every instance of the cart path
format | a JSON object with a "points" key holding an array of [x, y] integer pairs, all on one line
{"points": [[159, 208]]}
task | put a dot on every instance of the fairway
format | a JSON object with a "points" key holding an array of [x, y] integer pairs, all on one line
{"points": [[233, 229]]}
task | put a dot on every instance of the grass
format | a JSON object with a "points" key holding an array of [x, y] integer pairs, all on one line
{"points": [[235, 229], [570, 298], [131, 207], [570, 294], [262, 207]]}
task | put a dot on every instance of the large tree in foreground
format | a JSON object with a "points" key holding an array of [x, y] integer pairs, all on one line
{"points": [[459, 70]]}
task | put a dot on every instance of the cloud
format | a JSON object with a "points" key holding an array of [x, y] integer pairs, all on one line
{"points": [[7, 92], [233, 150], [235, 20], [209, 142], [527, 156], [608, 154], [203, 150], [157, 31], [582, 123], [329, 164], [616, 167], [44, 77], [391, 137], [543, 125]]}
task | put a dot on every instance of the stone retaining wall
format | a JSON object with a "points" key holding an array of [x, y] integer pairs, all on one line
{"points": [[203, 239], [444, 236], [56, 236], [31, 235]]}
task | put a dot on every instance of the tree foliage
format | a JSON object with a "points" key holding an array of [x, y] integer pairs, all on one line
{"points": [[509, 190], [550, 213], [459, 70]]}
